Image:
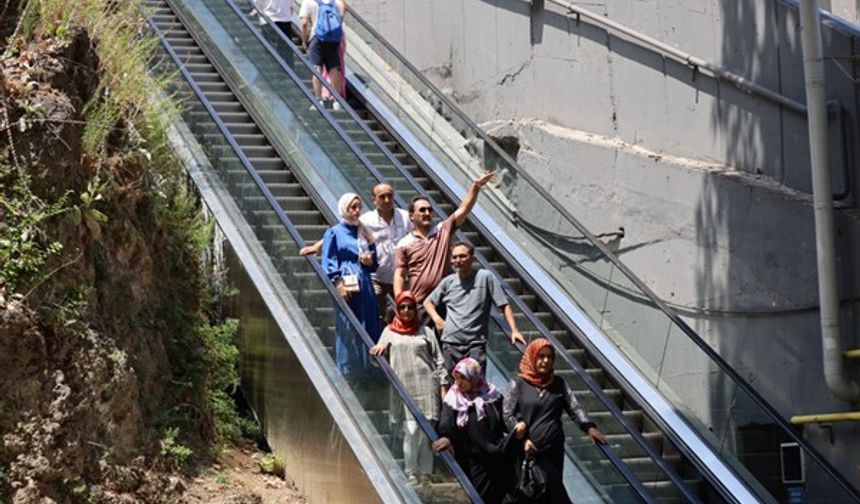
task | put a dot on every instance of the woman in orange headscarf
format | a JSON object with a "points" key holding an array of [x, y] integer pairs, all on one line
{"points": [[533, 408], [414, 355]]}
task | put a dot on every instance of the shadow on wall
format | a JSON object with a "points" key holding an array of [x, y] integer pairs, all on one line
{"points": [[778, 341], [752, 131]]}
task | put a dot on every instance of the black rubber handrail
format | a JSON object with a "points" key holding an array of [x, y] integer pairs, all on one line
{"points": [[711, 353], [428, 429], [590, 383]]}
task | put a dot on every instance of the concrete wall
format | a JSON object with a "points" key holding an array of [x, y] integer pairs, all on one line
{"points": [[710, 183], [507, 59], [848, 10]]}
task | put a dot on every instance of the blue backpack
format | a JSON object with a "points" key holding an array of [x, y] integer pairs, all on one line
{"points": [[329, 27]]}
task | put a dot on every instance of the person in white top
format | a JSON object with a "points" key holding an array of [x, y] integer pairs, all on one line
{"points": [[279, 12], [388, 225]]}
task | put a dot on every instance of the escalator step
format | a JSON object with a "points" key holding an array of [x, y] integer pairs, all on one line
{"points": [[181, 42], [164, 20], [226, 106], [288, 204], [604, 419], [268, 164], [260, 152], [243, 140], [214, 86], [254, 140], [188, 52], [221, 96], [298, 217], [176, 34], [515, 283], [243, 128], [206, 77], [596, 374]]}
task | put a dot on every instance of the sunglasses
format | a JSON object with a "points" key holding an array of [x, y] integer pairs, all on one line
{"points": [[424, 210], [406, 307]]}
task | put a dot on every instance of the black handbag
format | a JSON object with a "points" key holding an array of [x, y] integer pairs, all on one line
{"points": [[531, 484]]}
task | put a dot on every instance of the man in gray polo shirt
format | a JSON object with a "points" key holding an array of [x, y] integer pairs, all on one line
{"points": [[468, 296]]}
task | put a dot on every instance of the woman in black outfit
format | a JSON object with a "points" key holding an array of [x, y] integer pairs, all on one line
{"points": [[471, 421], [532, 411]]}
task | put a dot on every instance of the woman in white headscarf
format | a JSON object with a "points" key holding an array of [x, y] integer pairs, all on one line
{"points": [[348, 258]]}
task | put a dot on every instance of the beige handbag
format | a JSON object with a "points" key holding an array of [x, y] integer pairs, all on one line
{"points": [[350, 283]]}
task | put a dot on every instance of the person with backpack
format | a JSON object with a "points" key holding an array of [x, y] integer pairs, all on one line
{"points": [[322, 32]]}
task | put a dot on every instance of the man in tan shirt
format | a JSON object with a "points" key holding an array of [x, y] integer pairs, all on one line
{"points": [[423, 256]]}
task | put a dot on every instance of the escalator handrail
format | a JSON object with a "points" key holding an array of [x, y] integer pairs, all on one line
{"points": [[710, 352], [616, 461], [413, 408]]}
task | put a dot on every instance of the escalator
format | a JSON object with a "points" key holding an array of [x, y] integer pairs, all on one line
{"points": [[283, 217], [273, 198], [660, 472], [353, 149]]}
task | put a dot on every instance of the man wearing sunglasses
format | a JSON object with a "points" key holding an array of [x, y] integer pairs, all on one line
{"points": [[423, 256]]}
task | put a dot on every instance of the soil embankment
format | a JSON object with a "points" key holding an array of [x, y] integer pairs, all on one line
{"points": [[113, 352]]}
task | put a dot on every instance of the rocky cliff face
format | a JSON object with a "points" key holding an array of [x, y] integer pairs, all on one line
{"points": [[100, 346]]}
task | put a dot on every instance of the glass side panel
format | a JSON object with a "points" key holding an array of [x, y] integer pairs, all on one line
{"points": [[357, 178], [695, 384], [371, 398], [296, 126]]}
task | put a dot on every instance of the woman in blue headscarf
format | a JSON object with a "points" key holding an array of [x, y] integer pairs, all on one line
{"points": [[348, 258]]}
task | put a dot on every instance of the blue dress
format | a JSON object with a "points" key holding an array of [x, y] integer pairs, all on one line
{"points": [[339, 258]]}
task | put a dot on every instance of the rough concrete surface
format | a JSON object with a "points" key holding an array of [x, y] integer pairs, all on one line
{"points": [[710, 183]]}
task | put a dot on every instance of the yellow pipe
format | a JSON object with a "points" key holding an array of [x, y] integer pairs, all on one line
{"points": [[853, 354], [827, 417]]}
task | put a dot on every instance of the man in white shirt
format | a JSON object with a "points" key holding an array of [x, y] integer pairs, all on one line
{"points": [[388, 225]]}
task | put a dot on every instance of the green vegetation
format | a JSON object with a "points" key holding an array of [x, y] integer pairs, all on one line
{"points": [[274, 465], [122, 177], [24, 242], [172, 452]]}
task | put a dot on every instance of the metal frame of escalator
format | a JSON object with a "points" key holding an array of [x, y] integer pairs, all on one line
{"points": [[575, 365], [613, 457], [712, 354], [285, 221]]}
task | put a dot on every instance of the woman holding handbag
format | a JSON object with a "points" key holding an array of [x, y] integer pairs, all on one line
{"points": [[532, 411], [348, 259]]}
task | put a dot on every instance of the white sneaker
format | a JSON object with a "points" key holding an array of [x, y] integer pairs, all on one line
{"points": [[335, 105]]}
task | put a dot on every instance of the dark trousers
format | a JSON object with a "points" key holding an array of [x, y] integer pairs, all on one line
{"points": [[273, 38], [384, 301], [455, 353]]}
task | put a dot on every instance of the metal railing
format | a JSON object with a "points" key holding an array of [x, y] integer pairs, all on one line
{"points": [[695, 63]]}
